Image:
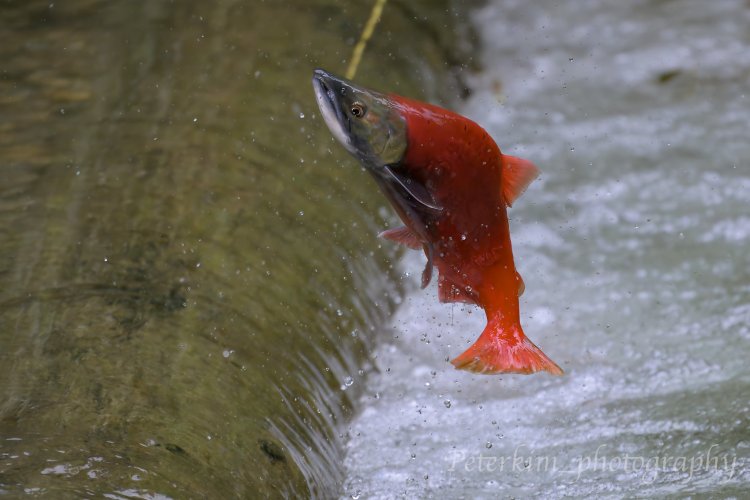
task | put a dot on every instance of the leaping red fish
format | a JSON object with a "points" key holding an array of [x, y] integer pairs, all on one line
{"points": [[450, 185]]}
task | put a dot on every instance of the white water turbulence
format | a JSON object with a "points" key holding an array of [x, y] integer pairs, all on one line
{"points": [[635, 249]]}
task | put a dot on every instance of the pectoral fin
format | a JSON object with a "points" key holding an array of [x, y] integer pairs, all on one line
{"points": [[516, 176], [414, 189], [403, 235]]}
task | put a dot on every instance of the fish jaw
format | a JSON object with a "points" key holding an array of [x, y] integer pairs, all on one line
{"points": [[330, 108]]}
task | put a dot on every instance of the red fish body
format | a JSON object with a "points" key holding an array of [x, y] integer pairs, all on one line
{"points": [[450, 185], [462, 167]]}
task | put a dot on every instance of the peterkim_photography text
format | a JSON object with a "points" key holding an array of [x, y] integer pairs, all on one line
{"points": [[649, 467]]}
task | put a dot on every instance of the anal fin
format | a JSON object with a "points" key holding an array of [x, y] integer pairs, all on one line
{"points": [[448, 291]]}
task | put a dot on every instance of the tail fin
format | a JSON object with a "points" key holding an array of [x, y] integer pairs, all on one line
{"points": [[502, 349]]}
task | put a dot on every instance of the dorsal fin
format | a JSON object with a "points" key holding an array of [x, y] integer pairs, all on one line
{"points": [[402, 235], [516, 176]]}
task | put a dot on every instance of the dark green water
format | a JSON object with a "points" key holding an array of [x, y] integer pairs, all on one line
{"points": [[188, 268]]}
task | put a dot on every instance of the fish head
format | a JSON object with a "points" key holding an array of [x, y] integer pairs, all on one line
{"points": [[368, 124]]}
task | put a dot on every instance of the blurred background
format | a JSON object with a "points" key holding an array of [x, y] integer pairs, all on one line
{"points": [[193, 302], [188, 272]]}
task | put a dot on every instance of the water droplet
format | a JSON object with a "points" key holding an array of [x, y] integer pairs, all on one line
{"points": [[302, 115], [488, 445], [348, 382], [195, 120], [106, 259], [227, 352], [301, 213], [447, 403], [463, 237], [413, 456]]}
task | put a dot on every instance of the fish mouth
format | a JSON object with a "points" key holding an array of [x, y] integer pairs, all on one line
{"points": [[324, 85]]}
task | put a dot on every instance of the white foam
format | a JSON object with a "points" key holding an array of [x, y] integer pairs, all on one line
{"points": [[633, 248]]}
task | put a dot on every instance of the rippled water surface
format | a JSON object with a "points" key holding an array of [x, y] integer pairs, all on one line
{"points": [[634, 250]]}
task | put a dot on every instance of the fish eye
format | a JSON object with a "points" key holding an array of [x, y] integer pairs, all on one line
{"points": [[358, 110]]}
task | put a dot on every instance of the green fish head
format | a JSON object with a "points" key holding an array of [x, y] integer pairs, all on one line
{"points": [[366, 123]]}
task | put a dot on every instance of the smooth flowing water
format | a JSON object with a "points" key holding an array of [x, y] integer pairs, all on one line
{"points": [[188, 279], [634, 249]]}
